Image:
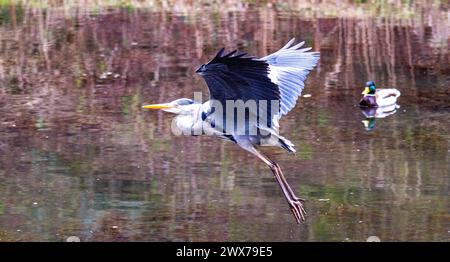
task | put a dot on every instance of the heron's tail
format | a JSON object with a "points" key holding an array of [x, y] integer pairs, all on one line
{"points": [[274, 139], [286, 144]]}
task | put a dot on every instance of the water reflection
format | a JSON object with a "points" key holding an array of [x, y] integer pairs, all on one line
{"points": [[372, 113], [74, 141]]}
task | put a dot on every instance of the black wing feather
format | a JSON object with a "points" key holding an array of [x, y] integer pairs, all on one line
{"points": [[241, 77], [234, 77]]}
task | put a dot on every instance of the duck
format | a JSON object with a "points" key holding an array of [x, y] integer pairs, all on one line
{"points": [[374, 97]]}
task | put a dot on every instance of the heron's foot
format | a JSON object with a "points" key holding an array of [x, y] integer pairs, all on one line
{"points": [[297, 209], [299, 199]]}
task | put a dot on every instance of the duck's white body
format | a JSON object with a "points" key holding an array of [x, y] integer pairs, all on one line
{"points": [[387, 97]]}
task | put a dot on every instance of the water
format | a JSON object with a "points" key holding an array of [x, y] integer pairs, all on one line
{"points": [[78, 156]]}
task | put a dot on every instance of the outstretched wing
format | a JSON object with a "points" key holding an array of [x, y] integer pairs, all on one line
{"points": [[279, 76], [288, 68], [238, 77]]}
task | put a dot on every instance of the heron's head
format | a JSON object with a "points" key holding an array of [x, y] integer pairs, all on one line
{"points": [[178, 106], [370, 88]]}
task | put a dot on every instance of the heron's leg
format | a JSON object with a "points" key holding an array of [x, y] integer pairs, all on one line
{"points": [[296, 206], [283, 179], [293, 201]]}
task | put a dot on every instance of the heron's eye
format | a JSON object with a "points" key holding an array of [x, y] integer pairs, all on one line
{"points": [[184, 101]]}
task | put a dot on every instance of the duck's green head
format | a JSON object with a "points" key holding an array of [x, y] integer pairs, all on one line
{"points": [[370, 88]]}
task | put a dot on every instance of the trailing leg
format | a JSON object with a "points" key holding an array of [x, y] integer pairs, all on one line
{"points": [[293, 201]]}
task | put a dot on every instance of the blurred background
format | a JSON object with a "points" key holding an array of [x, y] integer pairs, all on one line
{"points": [[78, 156]]}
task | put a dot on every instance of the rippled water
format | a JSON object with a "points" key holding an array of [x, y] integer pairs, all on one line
{"points": [[78, 157]]}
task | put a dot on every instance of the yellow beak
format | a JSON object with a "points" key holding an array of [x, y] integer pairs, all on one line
{"points": [[366, 91], [157, 106]]}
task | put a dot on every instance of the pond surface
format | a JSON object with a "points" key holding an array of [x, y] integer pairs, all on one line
{"points": [[78, 156]]}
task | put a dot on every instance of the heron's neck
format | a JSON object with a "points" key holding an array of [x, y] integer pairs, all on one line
{"points": [[191, 109]]}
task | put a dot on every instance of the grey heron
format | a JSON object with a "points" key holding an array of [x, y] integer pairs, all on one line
{"points": [[273, 83]]}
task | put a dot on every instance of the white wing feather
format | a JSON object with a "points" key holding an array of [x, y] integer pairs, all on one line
{"points": [[288, 68]]}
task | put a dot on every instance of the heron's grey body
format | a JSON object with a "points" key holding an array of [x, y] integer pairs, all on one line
{"points": [[195, 123]]}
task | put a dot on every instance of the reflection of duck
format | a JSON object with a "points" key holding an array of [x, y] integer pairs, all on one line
{"points": [[369, 123], [378, 98], [372, 113]]}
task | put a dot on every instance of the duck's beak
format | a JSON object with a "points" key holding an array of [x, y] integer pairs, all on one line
{"points": [[366, 91], [158, 106]]}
